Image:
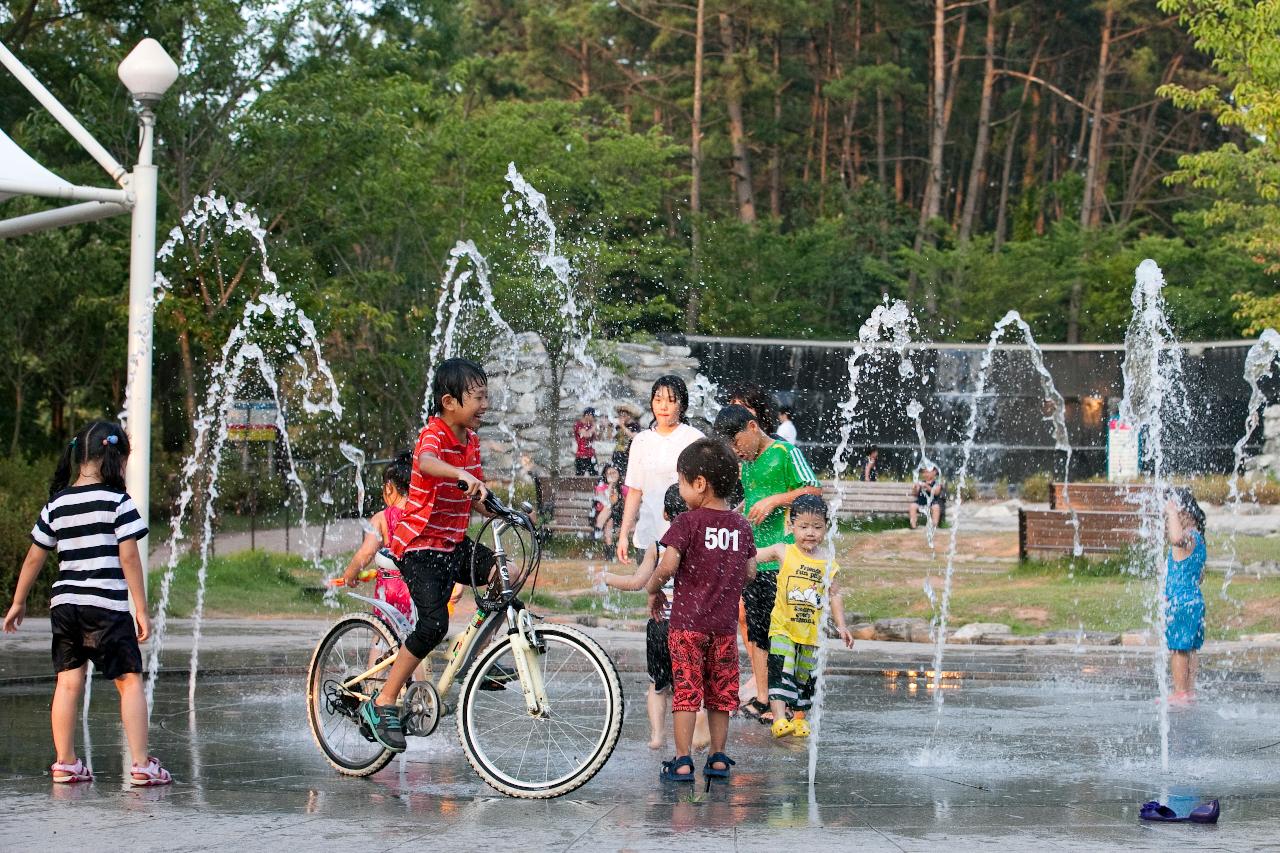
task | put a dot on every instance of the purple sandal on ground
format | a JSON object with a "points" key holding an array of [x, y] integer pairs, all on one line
{"points": [[1156, 813]]}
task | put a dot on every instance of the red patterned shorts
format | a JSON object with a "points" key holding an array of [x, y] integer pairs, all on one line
{"points": [[704, 671]]}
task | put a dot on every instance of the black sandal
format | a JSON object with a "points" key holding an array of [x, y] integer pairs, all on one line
{"points": [[755, 710], [669, 774]]}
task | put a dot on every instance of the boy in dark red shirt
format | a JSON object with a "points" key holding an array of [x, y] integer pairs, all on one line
{"points": [[430, 544], [711, 553]]}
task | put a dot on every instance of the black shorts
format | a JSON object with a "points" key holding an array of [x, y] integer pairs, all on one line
{"points": [[923, 500], [758, 599], [430, 576], [585, 466], [657, 654], [85, 633]]}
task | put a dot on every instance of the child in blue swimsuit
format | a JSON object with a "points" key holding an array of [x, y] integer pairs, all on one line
{"points": [[1183, 601]]}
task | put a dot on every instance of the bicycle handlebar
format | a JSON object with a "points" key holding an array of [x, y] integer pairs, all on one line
{"points": [[498, 508]]}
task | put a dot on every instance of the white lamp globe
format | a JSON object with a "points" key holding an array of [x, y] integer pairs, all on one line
{"points": [[148, 72]]}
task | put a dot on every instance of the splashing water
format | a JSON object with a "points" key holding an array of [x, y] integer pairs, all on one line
{"points": [[1259, 364], [1153, 387], [356, 457], [1057, 418], [200, 470], [890, 323]]}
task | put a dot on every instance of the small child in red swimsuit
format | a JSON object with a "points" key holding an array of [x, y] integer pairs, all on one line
{"points": [[390, 587]]}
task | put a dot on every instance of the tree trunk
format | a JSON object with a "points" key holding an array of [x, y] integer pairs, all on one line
{"points": [[775, 154], [931, 202], [978, 171], [1006, 173], [19, 398], [1094, 176], [694, 306], [1143, 159], [188, 368], [737, 127]]}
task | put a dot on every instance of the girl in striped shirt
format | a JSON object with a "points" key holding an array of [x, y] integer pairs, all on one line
{"points": [[94, 526]]}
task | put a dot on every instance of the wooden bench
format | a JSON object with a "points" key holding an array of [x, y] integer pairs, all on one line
{"points": [[1050, 533], [1102, 497], [863, 499], [568, 507]]}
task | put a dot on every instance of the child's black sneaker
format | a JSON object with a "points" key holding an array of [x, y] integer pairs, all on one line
{"points": [[384, 723]]}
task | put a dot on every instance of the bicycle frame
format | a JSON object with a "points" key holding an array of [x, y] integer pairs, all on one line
{"points": [[519, 627]]}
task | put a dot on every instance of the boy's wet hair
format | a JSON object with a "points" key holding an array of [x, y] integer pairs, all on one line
{"points": [[1187, 503], [100, 440], [678, 390], [709, 458], [809, 505], [455, 377], [672, 503], [759, 401], [871, 448], [399, 472], [733, 419]]}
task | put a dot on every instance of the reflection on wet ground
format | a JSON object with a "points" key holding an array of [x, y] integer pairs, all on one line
{"points": [[1016, 765]]}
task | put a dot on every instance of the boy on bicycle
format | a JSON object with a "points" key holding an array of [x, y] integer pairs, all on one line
{"points": [[429, 544]]}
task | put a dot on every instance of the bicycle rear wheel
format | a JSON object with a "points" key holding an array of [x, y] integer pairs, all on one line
{"points": [[352, 646], [550, 755]]}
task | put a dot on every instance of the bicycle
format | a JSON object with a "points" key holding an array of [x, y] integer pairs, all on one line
{"points": [[543, 741]]}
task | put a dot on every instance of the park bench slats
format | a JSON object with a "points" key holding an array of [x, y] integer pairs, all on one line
{"points": [[1050, 533], [862, 499], [1107, 497], [567, 508]]}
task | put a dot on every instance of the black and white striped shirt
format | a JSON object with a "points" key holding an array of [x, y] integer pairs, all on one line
{"points": [[86, 524]]}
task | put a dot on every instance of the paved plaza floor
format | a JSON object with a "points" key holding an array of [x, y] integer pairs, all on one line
{"points": [[1038, 749]]}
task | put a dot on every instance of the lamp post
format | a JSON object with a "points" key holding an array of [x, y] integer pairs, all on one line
{"points": [[147, 72]]}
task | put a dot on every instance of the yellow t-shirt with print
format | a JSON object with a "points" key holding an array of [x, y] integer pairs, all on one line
{"points": [[798, 605]]}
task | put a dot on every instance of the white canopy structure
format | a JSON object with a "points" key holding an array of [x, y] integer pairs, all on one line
{"points": [[147, 72]]}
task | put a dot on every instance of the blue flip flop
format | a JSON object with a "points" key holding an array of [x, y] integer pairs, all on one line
{"points": [[718, 773], [1206, 813], [669, 774], [1157, 813]]}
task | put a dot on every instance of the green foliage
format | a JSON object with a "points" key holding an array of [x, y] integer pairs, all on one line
{"points": [[24, 487], [1035, 488], [1242, 176]]}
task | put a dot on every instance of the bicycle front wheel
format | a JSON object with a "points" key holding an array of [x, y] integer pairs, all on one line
{"points": [[539, 757], [352, 646]]}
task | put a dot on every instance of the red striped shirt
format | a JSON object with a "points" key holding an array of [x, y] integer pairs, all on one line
{"points": [[437, 511]]}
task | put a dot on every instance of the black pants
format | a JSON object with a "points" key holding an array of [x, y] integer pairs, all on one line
{"points": [[758, 599], [585, 466], [430, 576]]}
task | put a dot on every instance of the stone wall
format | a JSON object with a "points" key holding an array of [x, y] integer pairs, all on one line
{"points": [[526, 429], [1269, 459]]}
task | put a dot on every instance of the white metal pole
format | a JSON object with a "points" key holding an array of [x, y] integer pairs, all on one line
{"points": [[142, 271]]}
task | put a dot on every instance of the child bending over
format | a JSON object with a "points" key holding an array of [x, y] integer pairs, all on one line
{"points": [[711, 554], [94, 526], [794, 632], [656, 651]]}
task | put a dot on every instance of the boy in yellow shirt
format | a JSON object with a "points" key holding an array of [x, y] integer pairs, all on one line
{"points": [[804, 576]]}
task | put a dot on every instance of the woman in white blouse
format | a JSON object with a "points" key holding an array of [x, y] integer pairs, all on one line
{"points": [[651, 466]]}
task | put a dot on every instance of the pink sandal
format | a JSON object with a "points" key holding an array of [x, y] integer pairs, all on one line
{"points": [[74, 773], [150, 774]]}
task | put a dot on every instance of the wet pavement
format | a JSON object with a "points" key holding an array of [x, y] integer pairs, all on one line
{"points": [[1036, 750]]}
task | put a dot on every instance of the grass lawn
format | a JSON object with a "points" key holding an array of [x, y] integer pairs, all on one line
{"points": [[251, 583], [1034, 598]]}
